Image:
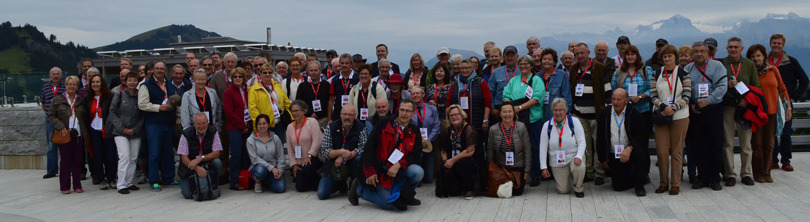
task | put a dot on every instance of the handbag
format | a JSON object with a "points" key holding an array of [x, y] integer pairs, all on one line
{"points": [[58, 138], [657, 117], [498, 175]]}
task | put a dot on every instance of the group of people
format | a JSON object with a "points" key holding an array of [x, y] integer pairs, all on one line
{"points": [[491, 126]]}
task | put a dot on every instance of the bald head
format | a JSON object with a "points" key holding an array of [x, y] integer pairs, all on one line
{"points": [[619, 99], [601, 50], [382, 106], [571, 45]]}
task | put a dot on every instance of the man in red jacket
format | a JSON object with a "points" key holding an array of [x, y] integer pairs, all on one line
{"points": [[390, 162]]}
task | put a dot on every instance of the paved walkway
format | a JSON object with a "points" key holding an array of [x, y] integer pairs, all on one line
{"points": [[27, 197]]}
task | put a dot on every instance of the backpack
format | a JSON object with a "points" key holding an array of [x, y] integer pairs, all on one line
{"points": [[570, 126], [202, 189]]}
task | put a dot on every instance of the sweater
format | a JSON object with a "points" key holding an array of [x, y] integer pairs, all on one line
{"points": [[573, 145], [269, 154], [661, 92], [772, 87], [309, 137], [744, 71]]}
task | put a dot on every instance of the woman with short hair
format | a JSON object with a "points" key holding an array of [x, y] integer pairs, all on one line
{"points": [[563, 139], [304, 139], [509, 146], [762, 142], [67, 114], [126, 123], [237, 120]]}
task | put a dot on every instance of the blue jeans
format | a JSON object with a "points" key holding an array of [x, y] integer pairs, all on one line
{"points": [[263, 175], [214, 167], [784, 145], [535, 132], [427, 164], [237, 142], [53, 151], [161, 153], [379, 195], [327, 186]]}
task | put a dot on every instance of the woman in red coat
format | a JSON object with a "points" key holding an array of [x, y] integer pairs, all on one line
{"points": [[237, 118]]}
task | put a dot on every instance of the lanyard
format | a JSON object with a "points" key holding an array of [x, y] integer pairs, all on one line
{"points": [[561, 129], [346, 84], [162, 87], [242, 91], [328, 72], [202, 101], [55, 90], [584, 71], [633, 75], [460, 130], [526, 81], [507, 73], [344, 137], [298, 132], [618, 124], [777, 61], [416, 79], [420, 116], [547, 80], [315, 89], [97, 106], [201, 143], [365, 103], [736, 73], [269, 93], [620, 60], [703, 70], [436, 92], [400, 134], [666, 75], [508, 138]]}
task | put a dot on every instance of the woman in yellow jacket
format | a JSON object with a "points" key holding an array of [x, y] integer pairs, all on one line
{"points": [[267, 97]]}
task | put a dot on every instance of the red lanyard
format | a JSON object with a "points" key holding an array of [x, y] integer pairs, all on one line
{"points": [[420, 116], [55, 90], [547, 80], [328, 72], [270, 94], [436, 92], [703, 70], [585, 70], [666, 75], [298, 132], [526, 81], [736, 73], [508, 138], [96, 109], [416, 80], [315, 89], [507, 73], [620, 61], [364, 97], [162, 88], [202, 101], [561, 129], [346, 84], [201, 143], [770, 60], [399, 132], [633, 75]]}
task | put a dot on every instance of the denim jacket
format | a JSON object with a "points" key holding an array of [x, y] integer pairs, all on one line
{"points": [[559, 86]]}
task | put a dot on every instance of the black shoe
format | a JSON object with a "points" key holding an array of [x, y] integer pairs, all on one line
{"points": [[123, 191], [133, 188], [731, 181], [641, 192], [353, 198], [747, 181], [342, 187], [579, 194], [535, 182], [599, 181], [400, 205], [413, 202], [698, 184], [50, 175], [716, 186], [692, 179]]}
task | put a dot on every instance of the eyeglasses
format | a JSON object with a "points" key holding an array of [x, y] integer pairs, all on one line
{"points": [[237, 77], [455, 115], [258, 65], [267, 72], [296, 110], [208, 64], [405, 110]]}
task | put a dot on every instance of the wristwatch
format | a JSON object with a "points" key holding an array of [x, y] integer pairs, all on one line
{"points": [[486, 121], [520, 107], [309, 155], [203, 156]]}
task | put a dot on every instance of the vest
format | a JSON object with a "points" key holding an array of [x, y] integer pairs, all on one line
{"points": [[337, 84], [194, 141], [156, 96], [352, 138], [476, 104]]}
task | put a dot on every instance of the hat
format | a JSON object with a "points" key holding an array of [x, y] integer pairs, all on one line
{"points": [[358, 57], [661, 42], [509, 49], [442, 50], [710, 42], [427, 146], [331, 52], [395, 78], [175, 100], [624, 39]]}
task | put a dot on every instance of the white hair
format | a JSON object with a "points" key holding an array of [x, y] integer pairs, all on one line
{"points": [[93, 70], [457, 57], [230, 54]]}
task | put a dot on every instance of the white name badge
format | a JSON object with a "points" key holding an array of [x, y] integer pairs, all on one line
{"points": [[455, 153], [617, 150], [96, 124], [632, 89], [72, 123], [580, 89], [424, 133], [276, 113], [741, 88], [298, 152], [363, 113], [528, 92], [670, 101], [316, 105], [510, 158], [207, 115], [464, 102], [344, 99], [560, 157], [395, 156], [247, 115], [545, 101], [165, 101], [703, 90]]}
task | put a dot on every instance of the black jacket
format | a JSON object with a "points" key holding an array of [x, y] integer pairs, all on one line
{"points": [[375, 72], [633, 125]]}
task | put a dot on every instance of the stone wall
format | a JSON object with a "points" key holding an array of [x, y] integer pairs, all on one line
{"points": [[22, 134]]}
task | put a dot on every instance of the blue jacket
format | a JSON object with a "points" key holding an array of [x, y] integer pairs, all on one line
{"points": [[497, 82], [559, 86]]}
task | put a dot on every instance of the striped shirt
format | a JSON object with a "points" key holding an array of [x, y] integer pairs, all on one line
{"points": [[48, 90]]}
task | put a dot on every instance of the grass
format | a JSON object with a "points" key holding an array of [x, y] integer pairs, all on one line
{"points": [[15, 60]]}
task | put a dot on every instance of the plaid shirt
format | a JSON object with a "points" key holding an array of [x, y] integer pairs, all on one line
{"points": [[644, 87], [182, 148], [326, 145], [47, 94]]}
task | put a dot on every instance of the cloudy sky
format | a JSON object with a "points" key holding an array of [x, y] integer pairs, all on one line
{"points": [[357, 26]]}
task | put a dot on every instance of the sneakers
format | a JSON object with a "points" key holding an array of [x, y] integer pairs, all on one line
{"points": [[257, 187], [49, 175], [66, 192], [353, 197], [155, 187], [123, 191], [469, 196], [787, 167], [104, 185], [775, 166], [78, 190], [175, 183]]}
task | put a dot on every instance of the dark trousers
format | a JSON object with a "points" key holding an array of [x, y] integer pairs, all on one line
{"points": [[105, 157], [307, 178], [237, 140], [633, 173], [70, 167], [706, 141], [459, 179], [480, 162], [762, 143], [784, 145]]}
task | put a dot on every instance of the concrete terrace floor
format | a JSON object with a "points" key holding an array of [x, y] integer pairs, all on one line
{"points": [[27, 197]]}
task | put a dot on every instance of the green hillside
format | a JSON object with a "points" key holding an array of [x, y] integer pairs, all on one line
{"points": [[14, 60], [160, 38], [25, 49]]}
